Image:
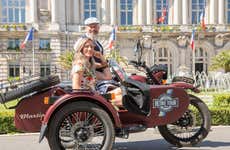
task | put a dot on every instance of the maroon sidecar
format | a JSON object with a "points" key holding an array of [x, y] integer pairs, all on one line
{"points": [[87, 120]]}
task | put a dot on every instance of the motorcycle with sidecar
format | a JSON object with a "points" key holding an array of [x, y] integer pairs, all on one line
{"points": [[83, 119]]}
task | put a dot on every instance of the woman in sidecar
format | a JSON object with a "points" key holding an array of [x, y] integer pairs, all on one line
{"points": [[84, 74]]}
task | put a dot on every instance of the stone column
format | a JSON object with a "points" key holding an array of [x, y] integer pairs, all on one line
{"points": [[49, 5], [149, 12], [177, 12], [185, 10], [98, 10], [0, 14], [76, 11], [54, 15], [34, 11], [62, 5], [69, 11], [213, 12], [135, 12], [105, 11], [171, 12], [221, 11], [113, 15], [141, 12]]}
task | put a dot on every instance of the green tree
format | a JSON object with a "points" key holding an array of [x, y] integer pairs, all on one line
{"points": [[221, 61], [115, 54], [66, 59]]}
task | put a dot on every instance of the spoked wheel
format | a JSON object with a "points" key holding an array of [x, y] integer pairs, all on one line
{"points": [[81, 126], [191, 128]]}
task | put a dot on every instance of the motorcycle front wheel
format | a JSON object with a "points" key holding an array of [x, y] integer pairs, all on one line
{"points": [[191, 128], [81, 126]]}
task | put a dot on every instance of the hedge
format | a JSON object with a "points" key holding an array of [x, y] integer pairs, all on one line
{"points": [[220, 116], [221, 100], [7, 122], [221, 109]]}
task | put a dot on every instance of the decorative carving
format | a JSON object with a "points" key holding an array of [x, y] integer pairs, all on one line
{"points": [[182, 41], [219, 40]]}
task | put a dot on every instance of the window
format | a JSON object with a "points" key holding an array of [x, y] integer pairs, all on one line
{"points": [[14, 69], [162, 11], [90, 8], [197, 8], [44, 69], [13, 11], [13, 44], [201, 58], [126, 13], [44, 44], [228, 11], [164, 57]]}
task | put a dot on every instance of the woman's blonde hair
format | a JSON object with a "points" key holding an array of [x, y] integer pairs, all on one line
{"points": [[78, 56]]}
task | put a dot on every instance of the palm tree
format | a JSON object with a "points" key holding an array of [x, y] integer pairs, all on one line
{"points": [[66, 59], [115, 54], [222, 60]]}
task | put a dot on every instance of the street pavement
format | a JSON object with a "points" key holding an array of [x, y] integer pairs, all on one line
{"points": [[218, 139]]}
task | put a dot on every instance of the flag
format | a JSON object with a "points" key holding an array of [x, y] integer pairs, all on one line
{"points": [[112, 38], [202, 22], [29, 37], [163, 16], [192, 44]]}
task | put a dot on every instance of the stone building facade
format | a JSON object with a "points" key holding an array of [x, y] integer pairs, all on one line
{"points": [[59, 23]]}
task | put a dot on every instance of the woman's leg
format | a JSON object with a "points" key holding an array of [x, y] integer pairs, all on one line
{"points": [[117, 101]]}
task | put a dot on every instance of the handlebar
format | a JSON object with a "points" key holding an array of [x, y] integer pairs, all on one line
{"points": [[137, 64]]}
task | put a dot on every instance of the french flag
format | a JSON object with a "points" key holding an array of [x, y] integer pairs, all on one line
{"points": [[29, 37], [112, 38], [202, 22], [163, 16], [192, 44]]}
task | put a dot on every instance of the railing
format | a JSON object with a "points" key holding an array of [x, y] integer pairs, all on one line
{"points": [[124, 28]]}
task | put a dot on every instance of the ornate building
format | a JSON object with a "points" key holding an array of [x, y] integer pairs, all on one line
{"points": [[163, 26]]}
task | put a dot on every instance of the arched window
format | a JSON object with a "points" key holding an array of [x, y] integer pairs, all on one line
{"points": [[197, 8], [162, 11], [201, 60], [90, 8], [126, 12], [12, 11], [164, 57]]}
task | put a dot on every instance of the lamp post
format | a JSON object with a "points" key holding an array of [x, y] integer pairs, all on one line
{"points": [[147, 44]]}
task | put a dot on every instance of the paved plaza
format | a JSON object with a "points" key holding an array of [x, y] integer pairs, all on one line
{"points": [[218, 139]]}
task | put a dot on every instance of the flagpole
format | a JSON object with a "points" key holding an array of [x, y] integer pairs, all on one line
{"points": [[33, 51], [194, 59], [192, 42]]}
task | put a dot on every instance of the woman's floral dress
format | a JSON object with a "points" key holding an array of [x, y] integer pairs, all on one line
{"points": [[89, 78]]}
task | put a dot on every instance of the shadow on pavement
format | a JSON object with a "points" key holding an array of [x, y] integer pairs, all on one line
{"points": [[163, 145], [214, 144]]}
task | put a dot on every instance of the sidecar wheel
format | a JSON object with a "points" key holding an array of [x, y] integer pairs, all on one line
{"points": [[81, 126], [191, 128]]}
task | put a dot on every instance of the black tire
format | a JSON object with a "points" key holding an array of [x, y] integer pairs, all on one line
{"points": [[77, 124], [33, 86], [189, 132]]}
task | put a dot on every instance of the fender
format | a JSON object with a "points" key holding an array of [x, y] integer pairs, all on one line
{"points": [[78, 96], [185, 86]]}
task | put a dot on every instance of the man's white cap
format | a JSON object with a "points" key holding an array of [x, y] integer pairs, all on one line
{"points": [[91, 20]]}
